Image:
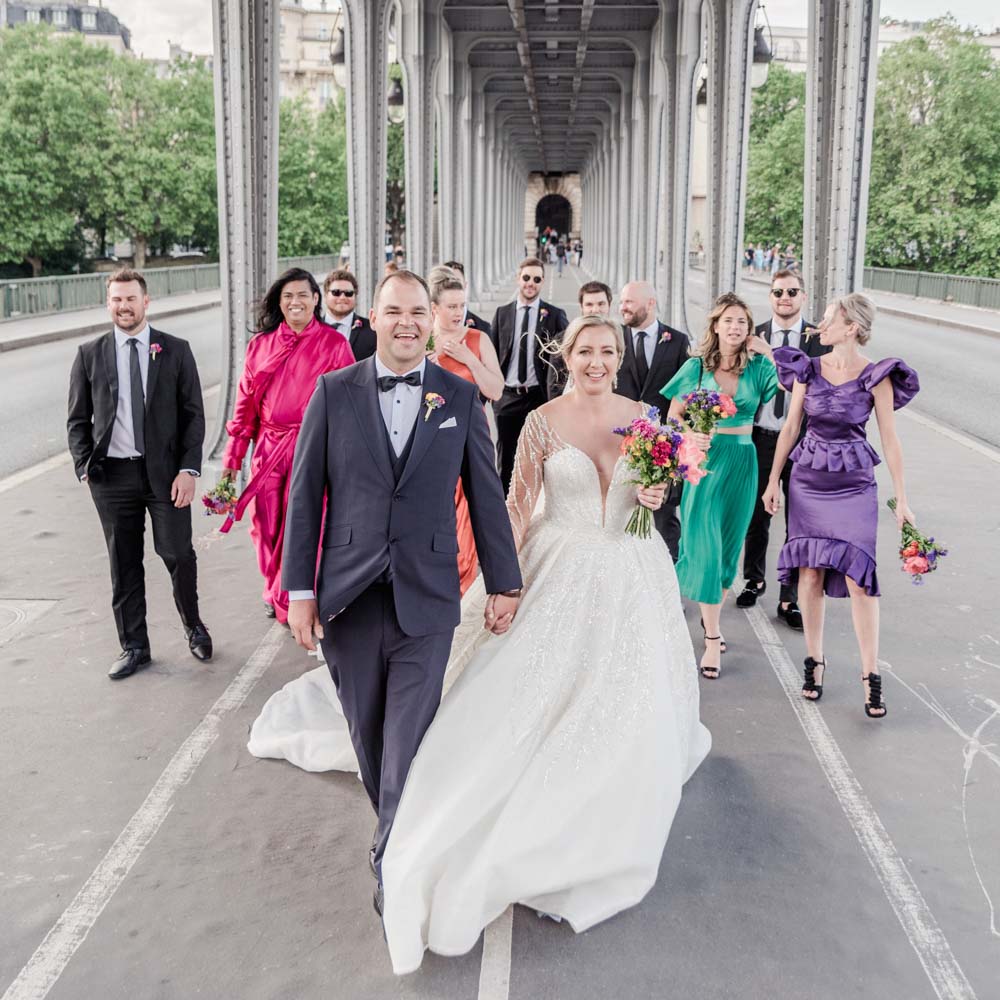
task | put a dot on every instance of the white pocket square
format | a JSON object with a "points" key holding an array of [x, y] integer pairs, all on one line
{"points": [[450, 422]]}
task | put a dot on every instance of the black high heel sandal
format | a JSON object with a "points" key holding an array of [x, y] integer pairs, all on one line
{"points": [[874, 703], [715, 672], [809, 684], [720, 636]]}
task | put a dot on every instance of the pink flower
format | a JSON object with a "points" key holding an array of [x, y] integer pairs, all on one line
{"points": [[665, 337], [358, 323], [154, 350], [542, 313], [470, 322], [915, 565]]}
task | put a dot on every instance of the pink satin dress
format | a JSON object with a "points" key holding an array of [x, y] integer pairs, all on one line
{"points": [[279, 375]]}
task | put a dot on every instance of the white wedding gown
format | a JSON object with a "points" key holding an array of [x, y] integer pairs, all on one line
{"points": [[552, 771]]}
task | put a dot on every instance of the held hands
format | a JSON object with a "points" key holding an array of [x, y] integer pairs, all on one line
{"points": [[772, 497], [303, 620], [500, 611], [182, 489], [652, 496]]}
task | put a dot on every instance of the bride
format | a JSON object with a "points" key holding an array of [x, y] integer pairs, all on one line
{"points": [[553, 769]]}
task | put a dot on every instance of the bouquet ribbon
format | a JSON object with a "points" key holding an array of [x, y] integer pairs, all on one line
{"points": [[286, 443]]}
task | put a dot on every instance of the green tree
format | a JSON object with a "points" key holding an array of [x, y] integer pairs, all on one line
{"points": [[935, 179], [395, 186], [53, 113]]}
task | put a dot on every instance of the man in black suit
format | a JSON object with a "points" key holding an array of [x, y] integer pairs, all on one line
{"points": [[470, 319], [521, 329], [594, 298], [136, 426], [785, 328], [653, 353], [340, 294], [374, 475]]}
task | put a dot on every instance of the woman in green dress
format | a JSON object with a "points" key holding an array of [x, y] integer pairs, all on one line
{"points": [[715, 513]]}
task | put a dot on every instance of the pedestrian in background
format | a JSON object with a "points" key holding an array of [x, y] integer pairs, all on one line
{"points": [[292, 348], [136, 426]]}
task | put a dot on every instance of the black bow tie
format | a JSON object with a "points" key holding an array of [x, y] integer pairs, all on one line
{"points": [[386, 383]]}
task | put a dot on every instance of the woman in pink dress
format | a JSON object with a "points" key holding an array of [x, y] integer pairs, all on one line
{"points": [[293, 348]]}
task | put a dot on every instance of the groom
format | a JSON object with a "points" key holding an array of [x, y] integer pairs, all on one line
{"points": [[382, 445]]}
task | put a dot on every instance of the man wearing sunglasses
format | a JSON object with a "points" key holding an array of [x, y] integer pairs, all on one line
{"points": [[785, 328], [340, 293], [519, 331]]}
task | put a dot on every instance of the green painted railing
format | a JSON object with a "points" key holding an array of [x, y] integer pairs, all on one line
{"points": [[61, 293], [969, 291]]}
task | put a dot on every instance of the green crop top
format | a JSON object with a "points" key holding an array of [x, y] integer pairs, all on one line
{"points": [[757, 384]]}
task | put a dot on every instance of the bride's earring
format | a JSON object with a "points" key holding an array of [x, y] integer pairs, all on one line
{"points": [[570, 382], [614, 381]]}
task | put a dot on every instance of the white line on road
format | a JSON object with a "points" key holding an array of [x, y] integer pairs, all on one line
{"points": [[47, 465], [494, 972], [919, 925], [71, 929], [977, 446]]}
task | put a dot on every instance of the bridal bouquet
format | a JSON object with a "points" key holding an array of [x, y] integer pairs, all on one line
{"points": [[222, 499], [706, 407], [918, 553], [657, 453]]}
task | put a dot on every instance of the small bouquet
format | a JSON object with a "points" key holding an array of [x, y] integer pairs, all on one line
{"points": [[918, 553], [705, 408], [222, 499], [657, 453]]}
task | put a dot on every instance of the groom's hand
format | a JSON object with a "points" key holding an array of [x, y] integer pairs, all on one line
{"points": [[303, 620], [500, 612]]}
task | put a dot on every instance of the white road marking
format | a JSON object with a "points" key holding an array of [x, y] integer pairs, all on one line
{"points": [[494, 973], [918, 923], [71, 929], [63, 458], [977, 446]]}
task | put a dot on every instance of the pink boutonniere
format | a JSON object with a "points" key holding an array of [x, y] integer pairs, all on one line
{"points": [[154, 350], [665, 337], [470, 322], [542, 313], [433, 402], [357, 324]]}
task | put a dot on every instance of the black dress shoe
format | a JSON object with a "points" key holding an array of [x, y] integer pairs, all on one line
{"points": [[791, 615], [128, 663], [200, 642], [269, 611], [751, 591]]}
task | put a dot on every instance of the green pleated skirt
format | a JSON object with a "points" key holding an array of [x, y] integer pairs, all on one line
{"points": [[715, 516]]}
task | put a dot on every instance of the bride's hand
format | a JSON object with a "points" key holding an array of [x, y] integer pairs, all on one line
{"points": [[652, 496], [500, 611]]}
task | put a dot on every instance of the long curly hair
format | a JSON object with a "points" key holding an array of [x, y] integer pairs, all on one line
{"points": [[269, 315], [708, 348]]}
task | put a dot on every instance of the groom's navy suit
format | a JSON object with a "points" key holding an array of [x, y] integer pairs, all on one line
{"points": [[387, 586]]}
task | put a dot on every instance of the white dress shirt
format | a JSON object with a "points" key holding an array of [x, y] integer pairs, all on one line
{"points": [[515, 352], [766, 417], [400, 408], [122, 443], [652, 336], [343, 325]]}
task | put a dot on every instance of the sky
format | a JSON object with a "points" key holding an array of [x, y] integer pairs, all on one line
{"points": [[154, 23]]}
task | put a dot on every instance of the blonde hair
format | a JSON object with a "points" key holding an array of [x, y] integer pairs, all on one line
{"points": [[440, 279], [564, 347], [860, 310], [708, 349]]}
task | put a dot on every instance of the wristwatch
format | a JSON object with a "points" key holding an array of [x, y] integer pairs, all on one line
{"points": [[510, 593]]}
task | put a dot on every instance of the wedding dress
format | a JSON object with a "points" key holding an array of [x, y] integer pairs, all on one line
{"points": [[552, 771]]}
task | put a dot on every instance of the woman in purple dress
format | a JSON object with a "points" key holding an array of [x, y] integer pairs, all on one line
{"points": [[832, 497]]}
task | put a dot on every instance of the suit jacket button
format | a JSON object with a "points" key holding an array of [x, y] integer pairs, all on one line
{"points": [[392, 541], [397, 496]]}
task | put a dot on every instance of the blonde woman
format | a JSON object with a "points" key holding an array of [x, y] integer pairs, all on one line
{"points": [[832, 496], [715, 513]]}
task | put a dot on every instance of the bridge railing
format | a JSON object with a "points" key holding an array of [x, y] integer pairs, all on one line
{"points": [[969, 291], [61, 293]]}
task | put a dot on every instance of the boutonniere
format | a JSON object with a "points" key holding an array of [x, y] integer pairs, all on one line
{"points": [[154, 350], [542, 313], [358, 323], [665, 337], [470, 322], [433, 402]]}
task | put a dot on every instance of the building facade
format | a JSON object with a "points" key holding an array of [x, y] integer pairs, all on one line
{"points": [[97, 25]]}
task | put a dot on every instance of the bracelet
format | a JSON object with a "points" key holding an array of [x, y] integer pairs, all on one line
{"points": [[510, 593]]}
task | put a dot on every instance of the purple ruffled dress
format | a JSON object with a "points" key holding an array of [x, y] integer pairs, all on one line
{"points": [[832, 497]]}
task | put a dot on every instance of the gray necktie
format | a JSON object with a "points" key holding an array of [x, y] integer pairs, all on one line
{"points": [[779, 396], [138, 397]]}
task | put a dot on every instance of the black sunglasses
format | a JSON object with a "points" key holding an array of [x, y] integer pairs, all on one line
{"points": [[790, 292], [530, 277], [338, 292]]}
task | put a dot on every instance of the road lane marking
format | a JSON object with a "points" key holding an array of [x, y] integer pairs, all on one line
{"points": [[969, 442], [494, 972], [63, 458], [918, 923], [52, 956]]}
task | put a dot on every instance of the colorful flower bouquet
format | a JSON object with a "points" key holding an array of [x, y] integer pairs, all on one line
{"points": [[222, 499], [918, 553], [705, 408], [657, 453]]}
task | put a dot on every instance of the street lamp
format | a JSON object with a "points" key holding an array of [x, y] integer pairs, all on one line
{"points": [[397, 107], [338, 56], [701, 96], [762, 57]]}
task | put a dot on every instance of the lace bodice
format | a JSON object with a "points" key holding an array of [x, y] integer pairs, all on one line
{"points": [[571, 484]]}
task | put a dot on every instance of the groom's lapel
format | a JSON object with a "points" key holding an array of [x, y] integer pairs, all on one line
{"points": [[362, 392], [425, 430]]}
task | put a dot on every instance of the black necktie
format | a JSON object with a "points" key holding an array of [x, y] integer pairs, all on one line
{"points": [[522, 350], [387, 383], [779, 396], [640, 357], [138, 396]]}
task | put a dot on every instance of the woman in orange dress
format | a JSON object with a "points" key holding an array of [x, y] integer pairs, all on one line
{"points": [[463, 350]]}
